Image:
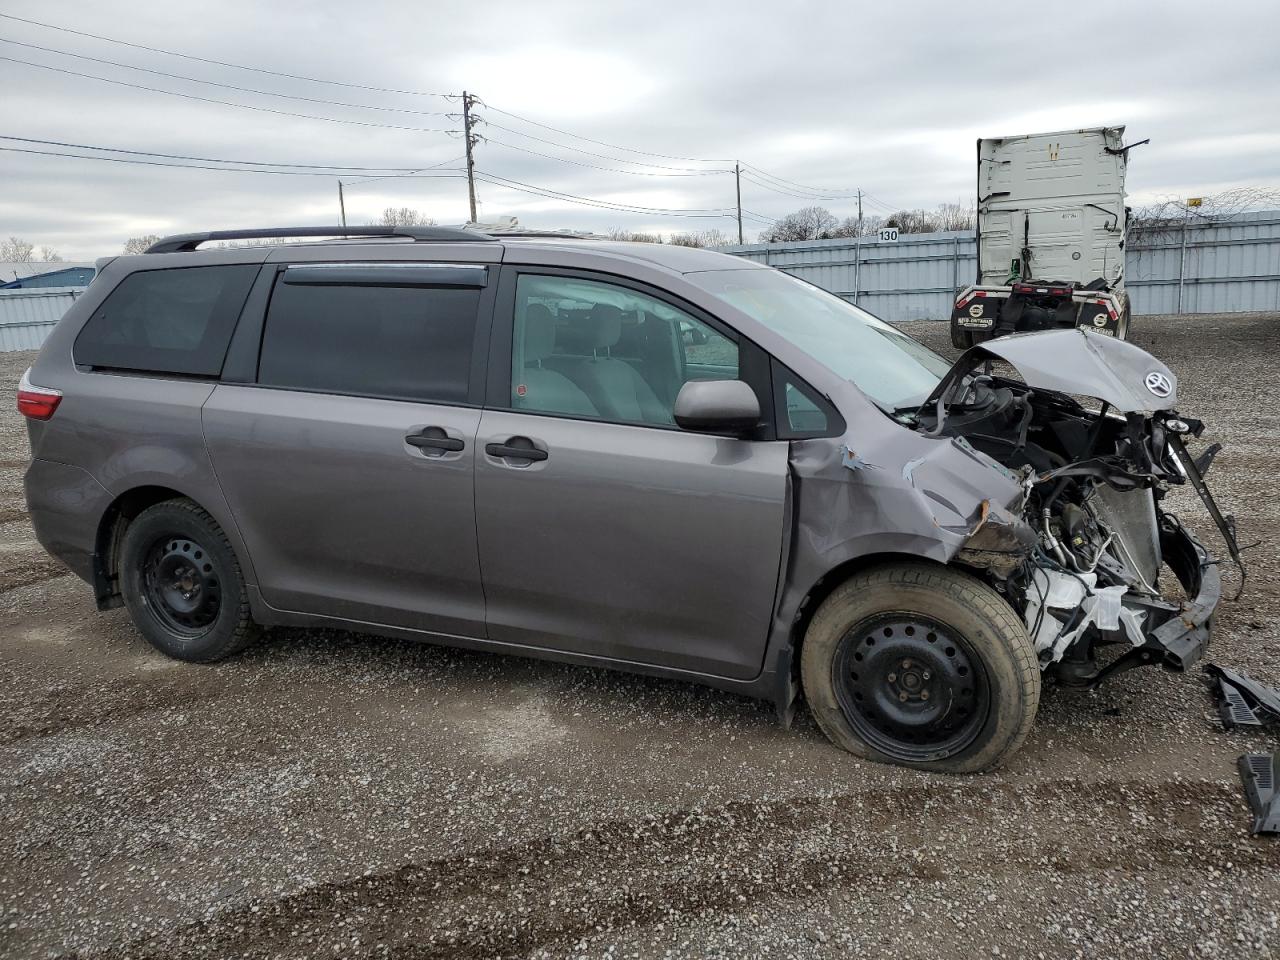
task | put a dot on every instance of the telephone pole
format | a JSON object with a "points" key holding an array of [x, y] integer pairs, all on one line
{"points": [[471, 163], [857, 252], [737, 179], [342, 206]]}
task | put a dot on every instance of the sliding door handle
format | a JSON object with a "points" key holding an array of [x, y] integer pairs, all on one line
{"points": [[512, 452]]}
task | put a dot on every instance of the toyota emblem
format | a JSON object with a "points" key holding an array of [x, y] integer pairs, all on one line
{"points": [[1159, 384]]}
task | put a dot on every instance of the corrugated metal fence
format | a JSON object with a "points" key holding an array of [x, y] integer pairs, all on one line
{"points": [[1225, 266], [27, 316]]}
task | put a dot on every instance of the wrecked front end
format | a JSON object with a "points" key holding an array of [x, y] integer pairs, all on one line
{"points": [[1103, 576]]}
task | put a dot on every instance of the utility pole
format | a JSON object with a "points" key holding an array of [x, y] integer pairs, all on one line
{"points": [[737, 179], [471, 163], [857, 251], [342, 206]]}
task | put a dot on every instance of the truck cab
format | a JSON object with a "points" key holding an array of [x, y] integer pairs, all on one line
{"points": [[1051, 237]]}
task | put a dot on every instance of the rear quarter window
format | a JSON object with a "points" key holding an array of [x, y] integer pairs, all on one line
{"points": [[176, 321]]}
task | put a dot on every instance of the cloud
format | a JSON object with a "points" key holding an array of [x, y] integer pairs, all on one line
{"points": [[888, 98]]}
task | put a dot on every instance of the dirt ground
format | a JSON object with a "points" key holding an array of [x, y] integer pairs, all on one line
{"points": [[335, 795]]}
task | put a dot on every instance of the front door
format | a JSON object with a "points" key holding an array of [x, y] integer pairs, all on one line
{"points": [[603, 528], [349, 465]]}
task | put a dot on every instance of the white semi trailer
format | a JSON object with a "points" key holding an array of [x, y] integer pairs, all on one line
{"points": [[1051, 236]]}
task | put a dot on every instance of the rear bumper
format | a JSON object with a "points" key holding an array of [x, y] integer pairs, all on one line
{"points": [[981, 311], [66, 505]]}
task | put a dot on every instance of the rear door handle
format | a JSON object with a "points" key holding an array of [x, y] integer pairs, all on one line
{"points": [[508, 450], [434, 438]]}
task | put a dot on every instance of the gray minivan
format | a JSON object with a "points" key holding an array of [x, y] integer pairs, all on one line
{"points": [[635, 456]]}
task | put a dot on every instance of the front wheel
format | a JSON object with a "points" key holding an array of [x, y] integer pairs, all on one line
{"points": [[922, 666], [182, 583]]}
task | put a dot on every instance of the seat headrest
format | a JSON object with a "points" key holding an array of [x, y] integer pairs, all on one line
{"points": [[539, 333], [606, 325]]}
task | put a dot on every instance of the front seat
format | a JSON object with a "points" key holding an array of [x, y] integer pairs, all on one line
{"points": [[540, 388], [616, 388]]}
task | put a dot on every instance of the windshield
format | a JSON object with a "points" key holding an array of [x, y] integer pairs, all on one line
{"points": [[888, 366]]}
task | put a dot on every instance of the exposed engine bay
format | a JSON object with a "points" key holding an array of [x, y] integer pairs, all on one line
{"points": [[1087, 554]]}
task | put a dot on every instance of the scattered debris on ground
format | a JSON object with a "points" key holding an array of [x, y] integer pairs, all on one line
{"points": [[327, 794]]}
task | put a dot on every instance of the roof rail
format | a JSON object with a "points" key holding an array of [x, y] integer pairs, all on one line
{"points": [[187, 242]]}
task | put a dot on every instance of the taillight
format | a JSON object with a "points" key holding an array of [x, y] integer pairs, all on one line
{"points": [[36, 403]]}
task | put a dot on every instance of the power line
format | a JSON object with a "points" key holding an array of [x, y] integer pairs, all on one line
{"points": [[829, 193], [521, 186], [225, 86], [589, 153], [757, 176], [195, 166], [789, 193], [592, 166], [601, 143], [415, 175], [224, 63], [226, 103], [179, 156]]}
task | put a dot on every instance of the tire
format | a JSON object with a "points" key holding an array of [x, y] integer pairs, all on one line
{"points": [[182, 584], [961, 339], [888, 658], [1122, 326]]}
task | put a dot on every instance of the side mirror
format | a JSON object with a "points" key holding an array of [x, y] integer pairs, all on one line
{"points": [[717, 406]]}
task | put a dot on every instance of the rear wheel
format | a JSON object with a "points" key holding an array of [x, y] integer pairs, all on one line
{"points": [[1122, 325], [961, 339], [182, 584], [922, 666]]}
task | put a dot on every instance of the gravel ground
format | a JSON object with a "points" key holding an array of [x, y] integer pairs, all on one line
{"points": [[328, 794]]}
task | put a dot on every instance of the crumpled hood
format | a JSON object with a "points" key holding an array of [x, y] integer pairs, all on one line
{"points": [[1079, 362]]}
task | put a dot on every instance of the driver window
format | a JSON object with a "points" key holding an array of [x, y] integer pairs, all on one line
{"points": [[584, 348]]}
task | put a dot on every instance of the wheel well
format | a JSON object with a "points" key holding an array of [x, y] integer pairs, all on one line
{"points": [[837, 575], [106, 579]]}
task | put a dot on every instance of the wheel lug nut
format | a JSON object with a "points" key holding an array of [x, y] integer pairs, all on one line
{"points": [[924, 694], [903, 696], [906, 664], [893, 677], [925, 674]]}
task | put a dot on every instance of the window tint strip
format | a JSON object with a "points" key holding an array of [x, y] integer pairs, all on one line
{"points": [[388, 275]]}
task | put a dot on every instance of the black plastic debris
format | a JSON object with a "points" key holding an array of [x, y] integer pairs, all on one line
{"points": [[1242, 701], [1261, 773]]}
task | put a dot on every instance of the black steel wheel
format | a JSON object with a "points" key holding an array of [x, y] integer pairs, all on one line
{"points": [[182, 584], [912, 687], [922, 665]]}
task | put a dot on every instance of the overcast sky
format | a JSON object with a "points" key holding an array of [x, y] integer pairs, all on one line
{"points": [[886, 97]]}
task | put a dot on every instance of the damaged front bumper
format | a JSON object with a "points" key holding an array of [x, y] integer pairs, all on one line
{"points": [[1178, 634], [1071, 617]]}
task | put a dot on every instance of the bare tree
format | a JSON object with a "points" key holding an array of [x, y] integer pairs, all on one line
{"points": [[911, 221], [849, 226], [17, 250], [955, 216], [403, 217], [811, 223], [1170, 216], [140, 244], [633, 236], [49, 255], [700, 238]]}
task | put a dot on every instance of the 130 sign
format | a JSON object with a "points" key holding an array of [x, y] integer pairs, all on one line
{"points": [[888, 234]]}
